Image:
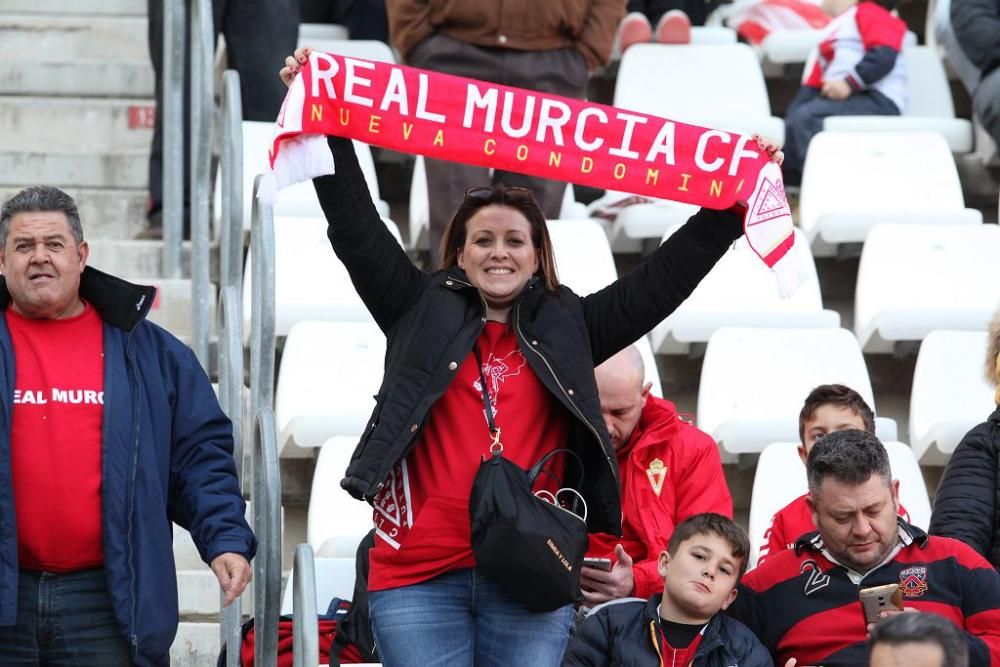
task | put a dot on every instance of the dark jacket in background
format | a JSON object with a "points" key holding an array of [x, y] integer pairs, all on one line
{"points": [[433, 320], [627, 633], [977, 28], [967, 504]]}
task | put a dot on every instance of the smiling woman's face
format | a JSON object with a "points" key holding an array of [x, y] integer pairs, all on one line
{"points": [[499, 256]]}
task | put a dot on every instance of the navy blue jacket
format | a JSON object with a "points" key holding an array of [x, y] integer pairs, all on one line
{"points": [[166, 456], [627, 633]]}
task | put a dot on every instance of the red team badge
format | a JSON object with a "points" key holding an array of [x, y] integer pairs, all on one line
{"points": [[913, 581]]}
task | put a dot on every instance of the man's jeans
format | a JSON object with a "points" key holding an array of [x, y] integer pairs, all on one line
{"points": [[460, 619], [64, 619]]}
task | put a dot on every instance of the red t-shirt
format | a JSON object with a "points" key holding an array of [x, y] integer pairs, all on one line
{"points": [[790, 523], [56, 440], [422, 513], [679, 657]]}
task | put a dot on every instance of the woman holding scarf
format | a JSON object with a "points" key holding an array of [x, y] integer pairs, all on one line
{"points": [[493, 324]]}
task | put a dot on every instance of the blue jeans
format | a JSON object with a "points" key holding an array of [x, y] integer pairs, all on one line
{"points": [[461, 619], [64, 619]]}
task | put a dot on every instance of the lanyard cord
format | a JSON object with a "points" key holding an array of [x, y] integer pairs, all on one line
{"points": [[495, 447]]}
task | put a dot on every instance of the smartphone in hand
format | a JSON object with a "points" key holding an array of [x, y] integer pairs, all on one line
{"points": [[877, 599], [603, 564]]}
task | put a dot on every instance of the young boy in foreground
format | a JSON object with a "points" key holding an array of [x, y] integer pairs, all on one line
{"points": [[705, 559]]}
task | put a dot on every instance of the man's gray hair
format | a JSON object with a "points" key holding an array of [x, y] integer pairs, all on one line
{"points": [[993, 350], [850, 457], [36, 199], [924, 627]]}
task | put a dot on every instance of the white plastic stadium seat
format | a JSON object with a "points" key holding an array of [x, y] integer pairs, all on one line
{"points": [[712, 35], [316, 31], [741, 291], [780, 478], [950, 394], [696, 84], [368, 49], [585, 264], [310, 283], [915, 279], [329, 374], [334, 579], [297, 200], [929, 107], [753, 381], [336, 522], [853, 181]]}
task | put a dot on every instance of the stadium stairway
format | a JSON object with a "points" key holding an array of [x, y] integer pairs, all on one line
{"points": [[76, 112]]}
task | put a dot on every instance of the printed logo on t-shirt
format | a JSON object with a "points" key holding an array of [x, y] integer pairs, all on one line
{"points": [[391, 507], [56, 395], [496, 370]]}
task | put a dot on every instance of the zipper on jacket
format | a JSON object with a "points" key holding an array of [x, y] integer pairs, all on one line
{"points": [[130, 362], [576, 409], [656, 642]]}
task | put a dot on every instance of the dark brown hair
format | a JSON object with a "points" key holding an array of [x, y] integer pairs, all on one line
{"points": [[710, 523], [519, 199], [839, 395]]}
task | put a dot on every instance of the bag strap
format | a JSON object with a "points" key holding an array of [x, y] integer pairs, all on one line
{"points": [[496, 447]]}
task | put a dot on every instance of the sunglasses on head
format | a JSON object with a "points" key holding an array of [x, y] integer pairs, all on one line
{"points": [[488, 194]]}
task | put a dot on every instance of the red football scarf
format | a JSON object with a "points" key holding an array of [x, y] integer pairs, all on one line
{"points": [[464, 120]]}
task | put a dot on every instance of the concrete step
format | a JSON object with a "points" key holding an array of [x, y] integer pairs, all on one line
{"points": [[141, 259], [186, 555], [84, 77], [172, 306], [64, 38], [197, 592], [85, 7], [75, 125], [196, 645], [105, 213], [68, 170]]}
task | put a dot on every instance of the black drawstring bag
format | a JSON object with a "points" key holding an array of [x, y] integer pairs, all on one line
{"points": [[531, 547]]}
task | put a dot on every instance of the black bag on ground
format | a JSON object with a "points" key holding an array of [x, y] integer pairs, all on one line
{"points": [[531, 547]]}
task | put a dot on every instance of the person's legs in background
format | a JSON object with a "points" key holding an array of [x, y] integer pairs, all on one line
{"points": [[986, 104]]}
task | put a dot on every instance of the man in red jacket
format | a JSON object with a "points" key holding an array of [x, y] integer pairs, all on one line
{"points": [[669, 471]]}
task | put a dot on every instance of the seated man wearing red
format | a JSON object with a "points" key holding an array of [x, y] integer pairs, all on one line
{"points": [[828, 408], [669, 470]]}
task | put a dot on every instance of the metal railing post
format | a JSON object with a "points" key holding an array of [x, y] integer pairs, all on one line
{"points": [[305, 629], [231, 174], [261, 305], [231, 398], [202, 100], [267, 526], [172, 123]]}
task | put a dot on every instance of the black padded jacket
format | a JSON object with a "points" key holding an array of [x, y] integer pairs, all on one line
{"points": [[967, 505], [432, 320]]}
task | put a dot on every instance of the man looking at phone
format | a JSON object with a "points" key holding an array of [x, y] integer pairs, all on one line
{"points": [[669, 471], [804, 604]]}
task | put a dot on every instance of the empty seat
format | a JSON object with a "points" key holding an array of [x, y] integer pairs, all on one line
{"points": [[329, 375], [585, 264], [950, 394], [753, 381], [310, 283], [336, 522], [915, 279], [929, 106], [780, 478], [695, 84], [334, 579], [297, 200], [368, 49], [741, 291], [317, 31], [908, 178]]}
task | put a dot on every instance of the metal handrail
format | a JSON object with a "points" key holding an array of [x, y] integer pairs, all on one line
{"points": [[261, 305], [231, 177], [172, 123], [305, 629], [202, 100], [231, 398], [267, 527]]}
